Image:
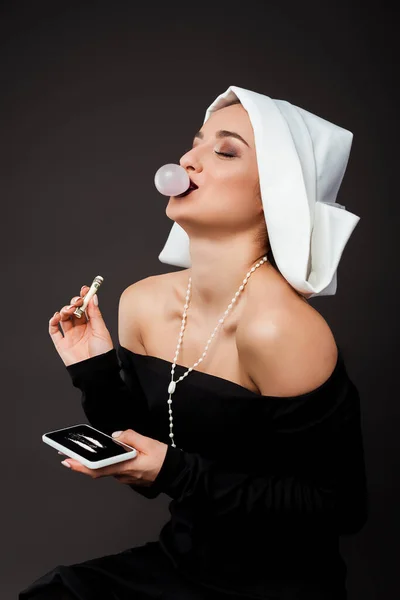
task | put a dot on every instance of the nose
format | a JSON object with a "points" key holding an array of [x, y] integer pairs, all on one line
{"points": [[190, 161]]}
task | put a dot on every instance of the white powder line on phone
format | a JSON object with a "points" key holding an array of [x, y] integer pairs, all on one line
{"points": [[99, 444]]}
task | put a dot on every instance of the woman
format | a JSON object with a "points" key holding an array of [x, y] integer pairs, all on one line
{"points": [[259, 444]]}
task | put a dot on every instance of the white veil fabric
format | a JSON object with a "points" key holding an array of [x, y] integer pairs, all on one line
{"points": [[301, 162]]}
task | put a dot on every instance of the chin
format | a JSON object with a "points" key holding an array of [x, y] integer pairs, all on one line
{"points": [[178, 206]]}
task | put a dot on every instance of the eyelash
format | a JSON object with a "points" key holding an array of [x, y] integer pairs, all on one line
{"points": [[221, 153], [225, 154]]}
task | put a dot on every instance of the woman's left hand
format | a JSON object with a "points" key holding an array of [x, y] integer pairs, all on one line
{"points": [[141, 470]]}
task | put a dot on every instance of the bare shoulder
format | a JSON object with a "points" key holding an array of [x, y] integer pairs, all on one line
{"points": [[145, 288], [136, 304], [286, 346]]}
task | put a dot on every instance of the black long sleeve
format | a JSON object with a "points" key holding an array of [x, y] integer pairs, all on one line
{"points": [[336, 498], [286, 475], [108, 403], [334, 495]]}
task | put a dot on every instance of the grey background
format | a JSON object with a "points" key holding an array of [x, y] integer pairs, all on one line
{"points": [[95, 97]]}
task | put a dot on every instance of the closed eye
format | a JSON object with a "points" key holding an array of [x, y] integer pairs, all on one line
{"points": [[225, 154]]}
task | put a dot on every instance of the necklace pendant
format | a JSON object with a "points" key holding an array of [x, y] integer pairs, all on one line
{"points": [[172, 385]]}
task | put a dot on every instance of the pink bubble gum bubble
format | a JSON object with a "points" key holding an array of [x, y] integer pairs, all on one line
{"points": [[171, 180]]}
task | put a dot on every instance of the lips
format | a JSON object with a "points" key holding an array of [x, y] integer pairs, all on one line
{"points": [[191, 187]]}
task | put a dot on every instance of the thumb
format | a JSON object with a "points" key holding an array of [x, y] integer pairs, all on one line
{"points": [[131, 437], [93, 309]]}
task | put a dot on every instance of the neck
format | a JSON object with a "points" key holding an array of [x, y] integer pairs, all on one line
{"points": [[217, 271]]}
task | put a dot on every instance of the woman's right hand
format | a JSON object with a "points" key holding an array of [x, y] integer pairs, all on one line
{"points": [[82, 338]]}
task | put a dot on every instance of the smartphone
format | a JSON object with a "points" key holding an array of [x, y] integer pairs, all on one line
{"points": [[89, 446]]}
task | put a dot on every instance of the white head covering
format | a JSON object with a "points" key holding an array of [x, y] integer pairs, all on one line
{"points": [[301, 161]]}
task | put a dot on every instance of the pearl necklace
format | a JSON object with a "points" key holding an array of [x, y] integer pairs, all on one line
{"points": [[172, 385]]}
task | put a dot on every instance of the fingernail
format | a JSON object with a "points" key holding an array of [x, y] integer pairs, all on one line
{"points": [[64, 462], [116, 433], [96, 300]]}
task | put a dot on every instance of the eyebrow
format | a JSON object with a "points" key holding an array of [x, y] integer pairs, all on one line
{"points": [[223, 134]]}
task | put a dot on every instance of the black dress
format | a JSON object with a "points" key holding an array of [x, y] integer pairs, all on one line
{"points": [[261, 486]]}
